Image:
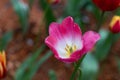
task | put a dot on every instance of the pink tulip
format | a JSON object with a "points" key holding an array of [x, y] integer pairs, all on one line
{"points": [[66, 40]]}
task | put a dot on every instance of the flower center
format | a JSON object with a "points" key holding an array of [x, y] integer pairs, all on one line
{"points": [[70, 49]]}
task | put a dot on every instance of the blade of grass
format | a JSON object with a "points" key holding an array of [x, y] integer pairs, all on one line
{"points": [[28, 62], [34, 68], [5, 40]]}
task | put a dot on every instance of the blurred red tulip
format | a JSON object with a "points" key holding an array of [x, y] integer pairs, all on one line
{"points": [[115, 24], [107, 5]]}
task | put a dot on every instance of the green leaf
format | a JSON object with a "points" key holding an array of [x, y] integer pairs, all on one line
{"points": [[72, 7], [89, 67], [22, 11], [5, 40], [34, 67], [117, 11], [27, 63], [103, 46], [52, 75]]}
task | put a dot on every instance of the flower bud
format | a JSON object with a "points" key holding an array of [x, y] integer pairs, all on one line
{"points": [[107, 5], [115, 24], [2, 64], [53, 1]]}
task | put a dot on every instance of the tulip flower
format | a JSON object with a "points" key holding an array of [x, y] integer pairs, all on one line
{"points": [[66, 40], [107, 5], [53, 1], [2, 64], [115, 24]]}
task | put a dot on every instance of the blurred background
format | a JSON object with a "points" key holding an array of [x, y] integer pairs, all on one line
{"points": [[24, 25]]}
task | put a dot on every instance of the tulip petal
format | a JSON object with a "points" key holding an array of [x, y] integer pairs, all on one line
{"points": [[75, 56], [56, 46], [2, 64], [71, 32], [90, 38], [50, 42], [77, 38], [68, 60], [68, 27], [54, 30], [116, 27], [3, 58], [56, 40], [1, 70]]}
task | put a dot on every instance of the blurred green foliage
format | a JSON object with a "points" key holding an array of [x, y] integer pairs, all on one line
{"points": [[31, 65], [104, 45], [89, 67], [52, 75], [5, 39], [21, 72], [34, 68], [22, 10], [117, 12]]}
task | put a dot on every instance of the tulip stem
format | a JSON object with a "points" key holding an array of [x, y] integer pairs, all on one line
{"points": [[77, 68], [80, 73], [100, 20]]}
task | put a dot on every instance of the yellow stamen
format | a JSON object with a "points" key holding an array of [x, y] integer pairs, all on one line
{"points": [[70, 49]]}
